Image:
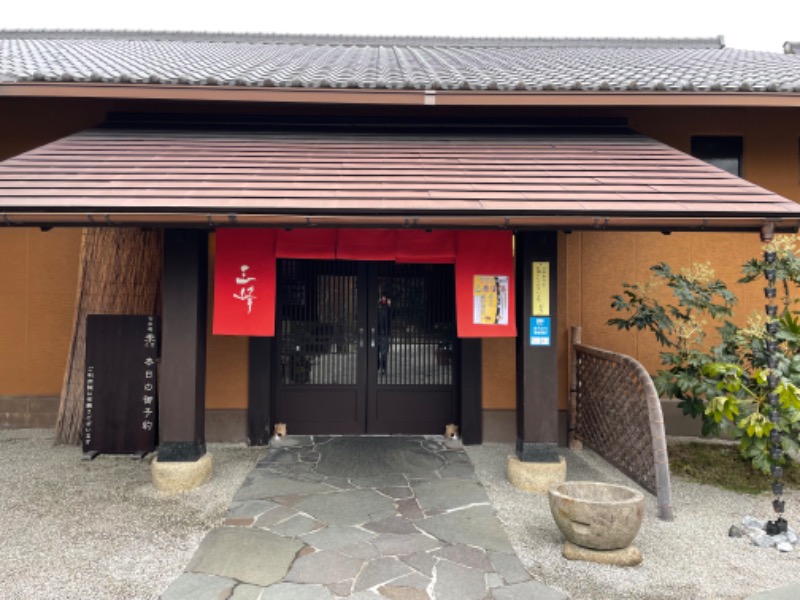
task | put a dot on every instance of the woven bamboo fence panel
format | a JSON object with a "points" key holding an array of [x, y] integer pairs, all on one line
{"points": [[617, 413], [119, 274]]}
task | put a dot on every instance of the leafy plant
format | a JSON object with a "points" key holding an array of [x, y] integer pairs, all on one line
{"points": [[728, 383]]}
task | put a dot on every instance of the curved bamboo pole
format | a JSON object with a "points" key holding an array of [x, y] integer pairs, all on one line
{"points": [[655, 418]]}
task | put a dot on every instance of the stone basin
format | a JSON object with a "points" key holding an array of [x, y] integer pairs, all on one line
{"points": [[601, 516]]}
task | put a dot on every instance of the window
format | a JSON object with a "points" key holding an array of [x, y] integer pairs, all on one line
{"points": [[724, 152]]}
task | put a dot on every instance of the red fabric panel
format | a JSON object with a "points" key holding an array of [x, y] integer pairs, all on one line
{"points": [[366, 244], [417, 246], [244, 282], [307, 243], [485, 284]]}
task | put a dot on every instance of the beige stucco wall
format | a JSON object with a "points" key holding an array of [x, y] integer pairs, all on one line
{"points": [[37, 297]]}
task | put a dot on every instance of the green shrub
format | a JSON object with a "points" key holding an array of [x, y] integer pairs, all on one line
{"points": [[727, 384]]}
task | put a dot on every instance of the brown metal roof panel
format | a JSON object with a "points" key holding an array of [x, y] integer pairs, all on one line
{"points": [[443, 173]]}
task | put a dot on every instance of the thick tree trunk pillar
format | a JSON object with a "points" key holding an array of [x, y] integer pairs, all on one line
{"points": [[537, 365], [183, 346]]}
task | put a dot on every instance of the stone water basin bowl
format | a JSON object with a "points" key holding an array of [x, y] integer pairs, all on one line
{"points": [[600, 516]]}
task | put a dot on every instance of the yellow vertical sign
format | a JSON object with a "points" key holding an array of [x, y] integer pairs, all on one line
{"points": [[541, 289]]}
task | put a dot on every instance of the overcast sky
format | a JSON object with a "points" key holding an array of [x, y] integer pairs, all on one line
{"points": [[754, 25]]}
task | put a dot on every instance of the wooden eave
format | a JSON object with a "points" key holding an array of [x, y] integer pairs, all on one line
{"points": [[207, 93], [373, 178]]}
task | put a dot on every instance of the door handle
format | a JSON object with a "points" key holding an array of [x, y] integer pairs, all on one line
{"points": [[372, 338], [360, 337]]}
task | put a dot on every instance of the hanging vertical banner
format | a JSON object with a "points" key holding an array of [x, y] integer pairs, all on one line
{"points": [[244, 282], [485, 284], [541, 289]]}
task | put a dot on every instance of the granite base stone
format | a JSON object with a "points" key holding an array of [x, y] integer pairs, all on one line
{"points": [[173, 477], [536, 476]]}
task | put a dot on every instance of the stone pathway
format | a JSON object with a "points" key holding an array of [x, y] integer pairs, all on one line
{"points": [[321, 518]]}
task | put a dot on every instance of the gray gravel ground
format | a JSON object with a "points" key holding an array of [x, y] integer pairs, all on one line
{"points": [[689, 558], [97, 530]]}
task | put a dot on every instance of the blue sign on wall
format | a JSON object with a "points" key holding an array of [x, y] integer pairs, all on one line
{"points": [[540, 331]]}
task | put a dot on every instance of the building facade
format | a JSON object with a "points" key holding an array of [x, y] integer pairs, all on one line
{"points": [[353, 158]]}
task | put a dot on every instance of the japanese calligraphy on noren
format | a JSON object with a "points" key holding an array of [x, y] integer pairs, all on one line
{"points": [[247, 291]]}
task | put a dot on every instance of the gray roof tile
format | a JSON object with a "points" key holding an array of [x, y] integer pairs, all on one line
{"points": [[685, 65]]}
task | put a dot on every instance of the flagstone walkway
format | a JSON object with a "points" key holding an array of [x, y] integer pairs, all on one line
{"points": [[319, 518]]}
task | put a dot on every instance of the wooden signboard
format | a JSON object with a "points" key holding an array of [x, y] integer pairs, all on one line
{"points": [[120, 391]]}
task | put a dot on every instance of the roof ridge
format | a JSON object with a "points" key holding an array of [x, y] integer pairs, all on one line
{"points": [[368, 40]]}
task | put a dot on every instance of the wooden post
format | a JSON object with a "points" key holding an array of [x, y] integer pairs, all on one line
{"points": [[537, 365], [259, 397], [470, 391], [183, 354]]}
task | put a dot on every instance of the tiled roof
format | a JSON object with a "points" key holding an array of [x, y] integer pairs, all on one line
{"points": [[688, 65]]}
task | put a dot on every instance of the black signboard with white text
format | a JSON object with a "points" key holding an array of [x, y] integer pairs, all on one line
{"points": [[120, 391]]}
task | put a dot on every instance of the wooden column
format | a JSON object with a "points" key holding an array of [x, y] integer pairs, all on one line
{"points": [[183, 348], [537, 365], [470, 390], [259, 397]]}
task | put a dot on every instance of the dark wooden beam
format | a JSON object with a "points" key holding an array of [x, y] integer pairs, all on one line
{"points": [[537, 365], [259, 397], [470, 391], [183, 349]]}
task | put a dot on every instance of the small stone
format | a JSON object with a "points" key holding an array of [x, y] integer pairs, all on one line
{"points": [[509, 567], [239, 522], [456, 582], [325, 567], [780, 538], [236, 553], [342, 588], [244, 591], [409, 508], [764, 541], [625, 557], [402, 593], [784, 547], [791, 537], [749, 522], [754, 533], [395, 524], [493, 580], [735, 532]]}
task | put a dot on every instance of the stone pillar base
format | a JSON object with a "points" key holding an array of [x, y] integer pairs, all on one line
{"points": [[181, 476], [624, 557], [536, 476]]}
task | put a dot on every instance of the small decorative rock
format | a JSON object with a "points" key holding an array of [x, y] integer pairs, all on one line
{"points": [[757, 531], [752, 522], [735, 531]]}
